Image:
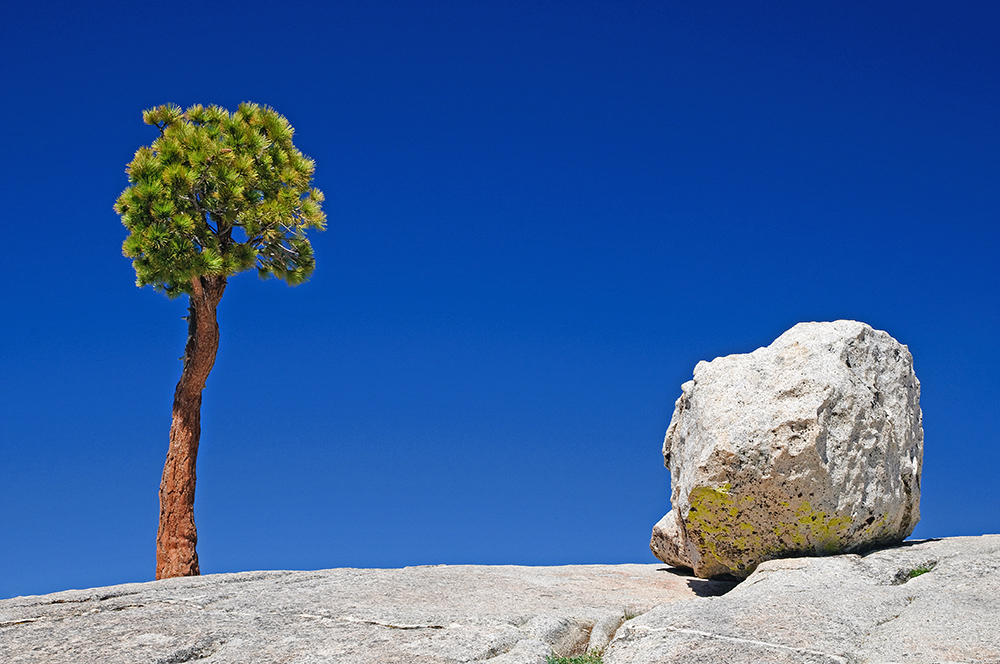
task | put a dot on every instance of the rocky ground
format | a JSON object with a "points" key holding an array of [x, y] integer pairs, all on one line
{"points": [[923, 602], [464, 613], [874, 608]]}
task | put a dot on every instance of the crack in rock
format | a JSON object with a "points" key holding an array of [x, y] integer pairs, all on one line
{"points": [[887, 620], [22, 621], [377, 623], [603, 632], [907, 574], [126, 606], [500, 644], [840, 659], [94, 598], [203, 649]]}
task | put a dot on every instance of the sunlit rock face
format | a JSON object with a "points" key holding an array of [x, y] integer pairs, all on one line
{"points": [[810, 446]]}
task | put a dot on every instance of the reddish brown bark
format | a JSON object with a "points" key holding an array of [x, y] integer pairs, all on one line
{"points": [[176, 538]]}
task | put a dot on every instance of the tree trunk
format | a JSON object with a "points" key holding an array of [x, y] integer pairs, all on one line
{"points": [[177, 537]]}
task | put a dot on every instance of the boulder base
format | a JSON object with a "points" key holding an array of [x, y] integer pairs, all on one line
{"points": [[926, 602], [810, 446]]}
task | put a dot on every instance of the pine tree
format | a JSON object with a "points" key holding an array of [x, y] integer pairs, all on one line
{"points": [[215, 194]]}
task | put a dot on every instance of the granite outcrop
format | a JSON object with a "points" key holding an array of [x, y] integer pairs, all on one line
{"points": [[431, 614], [924, 602], [921, 602]]}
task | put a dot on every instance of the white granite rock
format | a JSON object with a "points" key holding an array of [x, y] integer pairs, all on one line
{"points": [[812, 445], [432, 615], [927, 602]]}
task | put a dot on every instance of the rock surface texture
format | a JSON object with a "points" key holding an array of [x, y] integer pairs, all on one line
{"points": [[935, 601], [920, 603], [810, 446], [432, 615]]}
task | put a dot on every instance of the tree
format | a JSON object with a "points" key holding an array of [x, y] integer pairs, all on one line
{"points": [[215, 194]]}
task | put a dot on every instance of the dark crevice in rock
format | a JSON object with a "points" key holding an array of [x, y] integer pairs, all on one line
{"points": [[201, 650], [93, 598], [714, 587], [906, 573], [126, 606], [888, 620], [23, 621], [501, 648], [389, 625]]}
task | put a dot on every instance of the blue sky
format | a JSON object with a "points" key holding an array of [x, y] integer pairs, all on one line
{"points": [[542, 215]]}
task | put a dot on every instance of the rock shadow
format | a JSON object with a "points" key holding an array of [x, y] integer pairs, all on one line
{"points": [[702, 587]]}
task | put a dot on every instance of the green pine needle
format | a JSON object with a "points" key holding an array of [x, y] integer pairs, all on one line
{"points": [[218, 193]]}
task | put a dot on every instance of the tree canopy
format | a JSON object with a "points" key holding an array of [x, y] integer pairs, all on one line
{"points": [[218, 193]]}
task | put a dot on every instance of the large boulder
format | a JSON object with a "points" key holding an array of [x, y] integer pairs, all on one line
{"points": [[810, 446]]}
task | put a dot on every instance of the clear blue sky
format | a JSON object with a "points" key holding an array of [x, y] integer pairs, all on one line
{"points": [[542, 215]]}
